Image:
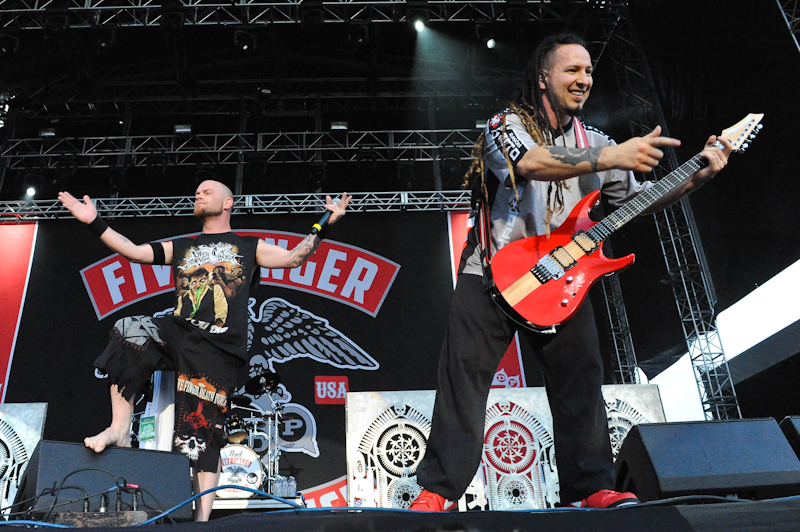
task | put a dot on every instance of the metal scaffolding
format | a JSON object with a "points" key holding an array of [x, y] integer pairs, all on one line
{"points": [[222, 87], [451, 200], [791, 14], [37, 14], [218, 149], [683, 253]]}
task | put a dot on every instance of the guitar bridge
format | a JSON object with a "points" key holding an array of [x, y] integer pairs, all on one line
{"points": [[553, 265]]}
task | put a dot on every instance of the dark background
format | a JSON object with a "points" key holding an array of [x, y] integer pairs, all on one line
{"points": [[712, 61]]}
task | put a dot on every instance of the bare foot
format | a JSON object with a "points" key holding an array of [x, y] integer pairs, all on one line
{"points": [[110, 436]]}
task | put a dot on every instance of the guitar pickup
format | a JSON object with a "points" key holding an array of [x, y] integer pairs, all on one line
{"points": [[585, 242]]}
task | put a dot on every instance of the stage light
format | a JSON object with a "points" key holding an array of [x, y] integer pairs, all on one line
{"points": [[8, 44], [485, 34], [183, 129], [46, 132], [317, 176], [358, 34], [32, 184], [419, 18], [339, 125], [480, 124], [245, 42]]}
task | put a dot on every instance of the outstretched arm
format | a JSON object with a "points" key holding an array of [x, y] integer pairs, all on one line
{"points": [[554, 163], [716, 158], [272, 256], [86, 212]]}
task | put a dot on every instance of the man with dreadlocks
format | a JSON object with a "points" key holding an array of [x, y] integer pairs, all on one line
{"points": [[541, 160]]}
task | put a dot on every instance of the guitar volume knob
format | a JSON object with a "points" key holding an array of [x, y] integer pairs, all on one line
{"points": [[570, 279], [564, 302]]}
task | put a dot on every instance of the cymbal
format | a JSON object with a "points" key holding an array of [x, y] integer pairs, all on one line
{"points": [[262, 383]]}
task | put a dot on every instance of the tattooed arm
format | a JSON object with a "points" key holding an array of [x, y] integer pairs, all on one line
{"points": [[553, 163], [272, 256], [86, 212]]}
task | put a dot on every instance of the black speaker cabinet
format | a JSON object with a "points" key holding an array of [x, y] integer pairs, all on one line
{"points": [[791, 429], [164, 475], [749, 459]]}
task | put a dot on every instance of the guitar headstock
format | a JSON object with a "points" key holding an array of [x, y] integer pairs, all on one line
{"points": [[743, 131]]}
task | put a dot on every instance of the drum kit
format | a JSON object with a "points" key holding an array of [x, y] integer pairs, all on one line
{"points": [[252, 456]]}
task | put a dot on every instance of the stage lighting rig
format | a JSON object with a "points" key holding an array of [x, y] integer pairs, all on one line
{"points": [[420, 18]]}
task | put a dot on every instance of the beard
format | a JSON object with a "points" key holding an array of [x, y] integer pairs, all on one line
{"points": [[206, 211]]}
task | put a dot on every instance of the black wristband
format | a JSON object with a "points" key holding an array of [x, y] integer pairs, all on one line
{"points": [[98, 226], [158, 253]]}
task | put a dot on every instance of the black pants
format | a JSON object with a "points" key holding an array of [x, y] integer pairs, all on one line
{"points": [[478, 334], [206, 377]]}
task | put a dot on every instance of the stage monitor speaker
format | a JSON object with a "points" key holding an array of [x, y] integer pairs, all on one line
{"points": [[164, 475], [791, 429], [749, 459]]}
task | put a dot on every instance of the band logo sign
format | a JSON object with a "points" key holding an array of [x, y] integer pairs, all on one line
{"points": [[330, 390], [350, 275]]}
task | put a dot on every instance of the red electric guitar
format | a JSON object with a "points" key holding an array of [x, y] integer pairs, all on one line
{"points": [[545, 280]]}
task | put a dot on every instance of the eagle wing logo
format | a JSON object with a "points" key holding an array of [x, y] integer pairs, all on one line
{"points": [[281, 331]]}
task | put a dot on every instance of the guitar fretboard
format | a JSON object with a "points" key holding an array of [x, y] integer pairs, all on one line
{"points": [[640, 202]]}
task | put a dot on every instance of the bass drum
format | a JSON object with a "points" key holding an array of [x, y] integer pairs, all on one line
{"points": [[240, 467]]}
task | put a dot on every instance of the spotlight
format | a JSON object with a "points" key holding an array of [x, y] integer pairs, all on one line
{"points": [[484, 33], [405, 174], [245, 42], [317, 175], [358, 34], [8, 44], [32, 184], [311, 17], [106, 41], [183, 129], [339, 126], [420, 18], [47, 132]]}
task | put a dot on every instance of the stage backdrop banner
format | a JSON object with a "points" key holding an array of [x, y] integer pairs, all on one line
{"points": [[17, 242], [368, 310]]}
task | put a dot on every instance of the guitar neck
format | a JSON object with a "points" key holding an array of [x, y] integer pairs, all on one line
{"points": [[640, 202]]}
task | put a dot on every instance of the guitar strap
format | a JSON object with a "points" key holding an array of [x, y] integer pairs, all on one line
{"points": [[483, 227]]}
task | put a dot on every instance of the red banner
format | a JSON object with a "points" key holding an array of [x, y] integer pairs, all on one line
{"points": [[17, 243], [344, 273]]}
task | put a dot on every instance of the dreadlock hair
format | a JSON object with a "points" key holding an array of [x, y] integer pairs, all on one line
{"points": [[530, 109]]}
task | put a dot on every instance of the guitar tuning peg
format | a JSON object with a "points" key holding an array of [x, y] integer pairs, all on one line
{"points": [[744, 146], [751, 136], [759, 126]]}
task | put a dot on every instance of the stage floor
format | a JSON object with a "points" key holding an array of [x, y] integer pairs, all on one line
{"points": [[673, 516]]}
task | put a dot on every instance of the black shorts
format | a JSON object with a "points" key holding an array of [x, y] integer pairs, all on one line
{"points": [[206, 377]]}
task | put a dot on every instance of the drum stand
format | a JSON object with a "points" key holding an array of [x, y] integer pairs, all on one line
{"points": [[270, 459]]}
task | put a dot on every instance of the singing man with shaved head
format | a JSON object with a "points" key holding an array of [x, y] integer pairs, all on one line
{"points": [[204, 341]]}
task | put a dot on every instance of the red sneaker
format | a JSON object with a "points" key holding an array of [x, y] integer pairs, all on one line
{"points": [[607, 499], [428, 501]]}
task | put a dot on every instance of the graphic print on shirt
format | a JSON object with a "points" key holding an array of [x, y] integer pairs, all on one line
{"points": [[210, 276], [195, 418]]}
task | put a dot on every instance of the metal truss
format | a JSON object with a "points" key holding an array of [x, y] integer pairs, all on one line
{"points": [[179, 150], [448, 200], [623, 352], [37, 14], [683, 253], [791, 14]]}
